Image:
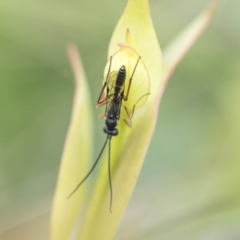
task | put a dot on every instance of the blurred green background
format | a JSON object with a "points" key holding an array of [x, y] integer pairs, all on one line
{"points": [[189, 187]]}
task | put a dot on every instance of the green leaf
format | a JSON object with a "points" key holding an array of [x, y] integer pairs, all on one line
{"points": [[75, 159], [181, 44], [135, 34]]}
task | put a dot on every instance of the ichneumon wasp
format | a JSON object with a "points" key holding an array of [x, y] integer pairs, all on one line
{"points": [[116, 93]]}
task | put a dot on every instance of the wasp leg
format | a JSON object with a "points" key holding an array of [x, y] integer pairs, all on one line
{"points": [[131, 113], [101, 116], [102, 102], [100, 98], [130, 80]]}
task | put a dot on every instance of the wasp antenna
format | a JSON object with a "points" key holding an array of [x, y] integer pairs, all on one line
{"points": [[109, 174], [94, 165]]}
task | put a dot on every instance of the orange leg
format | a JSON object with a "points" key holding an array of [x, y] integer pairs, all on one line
{"points": [[101, 116], [130, 114]]}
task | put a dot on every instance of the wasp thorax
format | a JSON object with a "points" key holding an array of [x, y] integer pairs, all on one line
{"points": [[111, 122]]}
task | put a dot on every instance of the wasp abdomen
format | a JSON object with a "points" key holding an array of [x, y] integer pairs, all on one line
{"points": [[120, 80]]}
